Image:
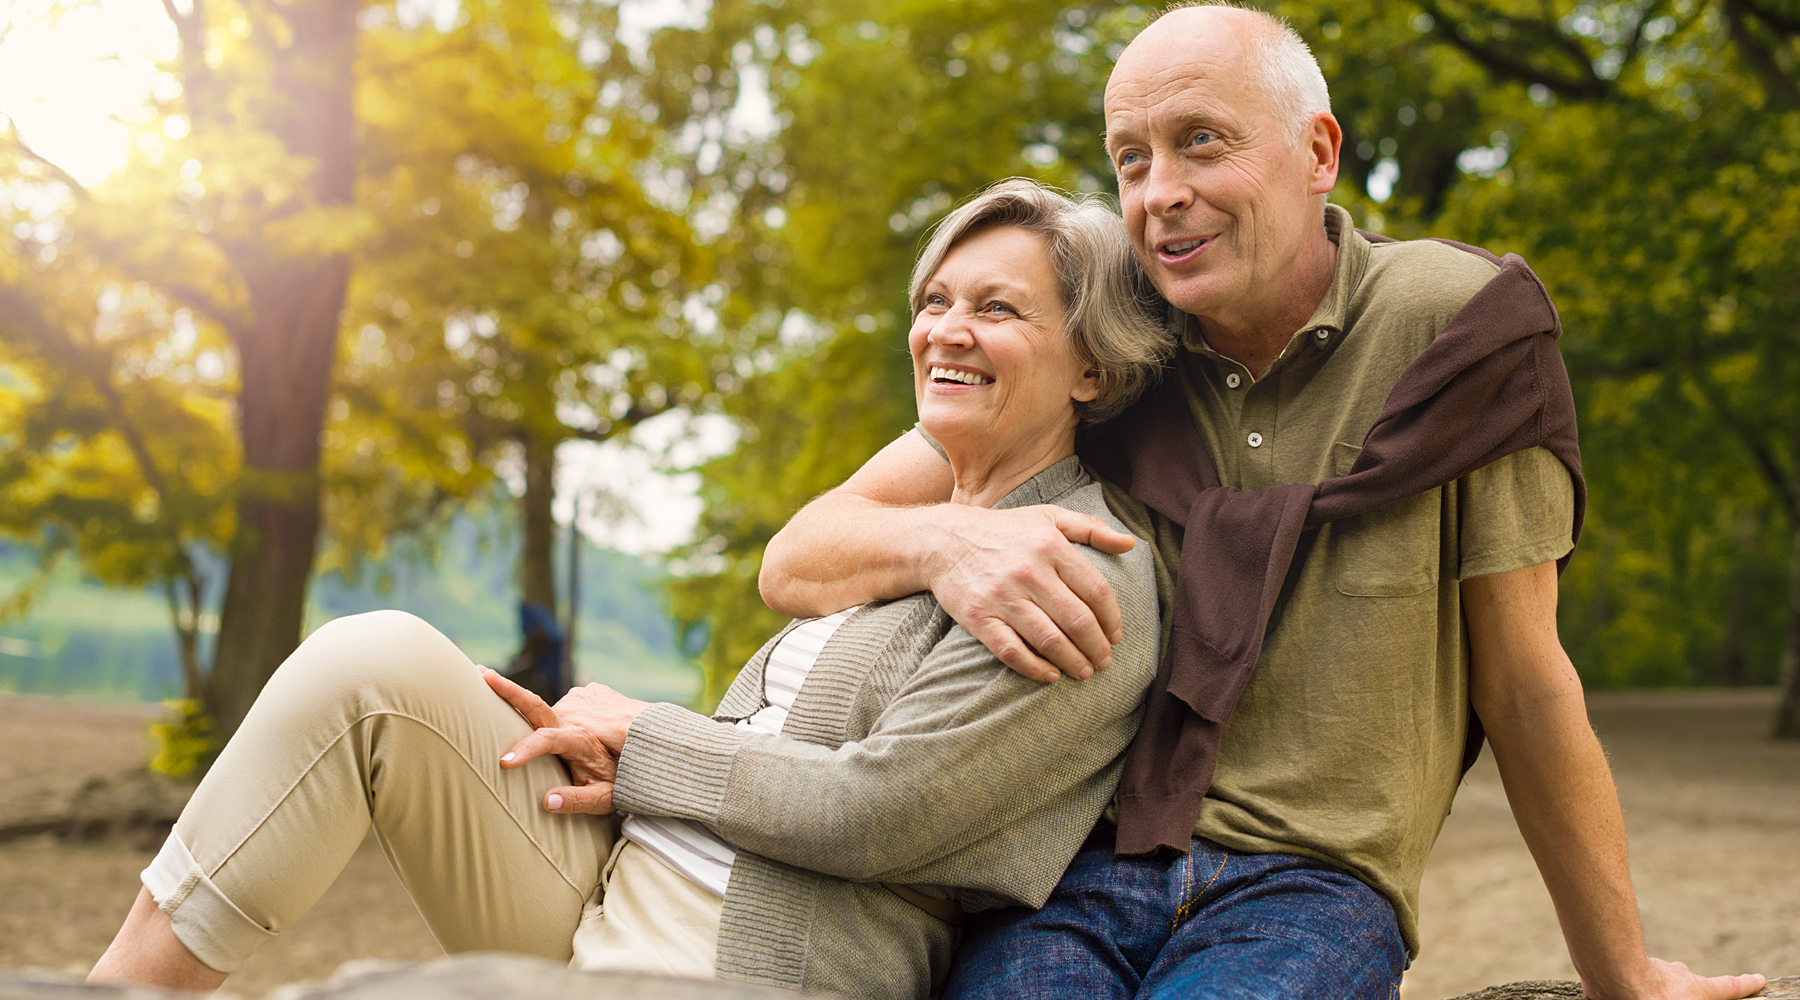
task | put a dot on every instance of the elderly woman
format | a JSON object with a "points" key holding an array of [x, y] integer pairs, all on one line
{"points": [[867, 779]]}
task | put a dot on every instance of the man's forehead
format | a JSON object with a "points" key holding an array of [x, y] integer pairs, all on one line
{"points": [[1183, 92], [1197, 53]]}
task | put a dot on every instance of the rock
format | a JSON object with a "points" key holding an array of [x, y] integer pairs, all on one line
{"points": [[1787, 988], [515, 977], [460, 977], [509, 977], [133, 801]]}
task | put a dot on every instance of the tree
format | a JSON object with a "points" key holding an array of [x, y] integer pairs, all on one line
{"points": [[575, 310], [241, 222], [517, 286]]}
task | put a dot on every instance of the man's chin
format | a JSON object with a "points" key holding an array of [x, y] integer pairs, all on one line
{"points": [[1194, 294]]}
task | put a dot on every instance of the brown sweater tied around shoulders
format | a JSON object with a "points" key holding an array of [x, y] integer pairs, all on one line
{"points": [[1492, 383]]}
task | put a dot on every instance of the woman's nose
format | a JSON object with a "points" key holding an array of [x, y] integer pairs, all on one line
{"points": [[955, 329]]}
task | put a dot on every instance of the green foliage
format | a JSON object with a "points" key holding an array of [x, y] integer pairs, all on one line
{"points": [[181, 741]]}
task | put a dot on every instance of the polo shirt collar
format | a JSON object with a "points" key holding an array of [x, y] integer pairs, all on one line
{"points": [[1330, 316]]}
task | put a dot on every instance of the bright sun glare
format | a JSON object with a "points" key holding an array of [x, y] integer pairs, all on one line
{"points": [[76, 79]]}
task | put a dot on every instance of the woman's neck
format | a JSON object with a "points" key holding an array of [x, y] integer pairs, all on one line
{"points": [[984, 476]]}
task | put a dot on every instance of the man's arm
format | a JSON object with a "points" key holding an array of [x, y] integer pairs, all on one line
{"points": [[1011, 577], [1526, 693]]}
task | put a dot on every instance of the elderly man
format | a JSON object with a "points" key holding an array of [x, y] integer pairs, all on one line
{"points": [[1337, 761]]}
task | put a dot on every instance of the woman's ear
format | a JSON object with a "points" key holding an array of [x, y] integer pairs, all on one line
{"points": [[1086, 388]]}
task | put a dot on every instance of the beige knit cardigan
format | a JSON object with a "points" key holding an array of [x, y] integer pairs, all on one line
{"points": [[911, 756]]}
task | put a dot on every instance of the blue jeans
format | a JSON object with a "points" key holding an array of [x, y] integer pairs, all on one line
{"points": [[1213, 923]]}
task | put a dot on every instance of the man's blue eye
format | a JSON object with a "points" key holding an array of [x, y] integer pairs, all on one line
{"points": [[1126, 159], [1201, 138]]}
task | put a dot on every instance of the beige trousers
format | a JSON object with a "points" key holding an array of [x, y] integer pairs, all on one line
{"points": [[379, 718]]}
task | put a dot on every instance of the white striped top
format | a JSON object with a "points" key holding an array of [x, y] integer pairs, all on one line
{"points": [[692, 848]]}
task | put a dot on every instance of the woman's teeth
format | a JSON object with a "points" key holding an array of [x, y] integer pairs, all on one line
{"points": [[957, 375], [1177, 249]]}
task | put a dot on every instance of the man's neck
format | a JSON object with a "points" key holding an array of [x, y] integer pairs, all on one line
{"points": [[1256, 337]]}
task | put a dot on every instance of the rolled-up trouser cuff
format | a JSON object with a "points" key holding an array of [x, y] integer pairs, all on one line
{"points": [[212, 927]]}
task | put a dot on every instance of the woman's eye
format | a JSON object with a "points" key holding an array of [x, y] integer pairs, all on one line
{"points": [[1000, 307], [935, 300]]}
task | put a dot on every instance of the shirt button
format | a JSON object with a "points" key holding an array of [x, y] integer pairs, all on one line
{"points": [[1233, 380], [1255, 440], [1323, 335]]}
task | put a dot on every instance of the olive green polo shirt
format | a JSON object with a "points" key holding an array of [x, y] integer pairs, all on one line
{"points": [[1347, 745]]}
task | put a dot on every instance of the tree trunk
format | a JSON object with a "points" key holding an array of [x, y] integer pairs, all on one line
{"points": [[285, 357], [1729, 664], [537, 572], [574, 617], [1787, 717]]}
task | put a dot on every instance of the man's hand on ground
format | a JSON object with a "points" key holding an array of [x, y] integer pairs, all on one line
{"points": [[1014, 579], [1675, 981]]}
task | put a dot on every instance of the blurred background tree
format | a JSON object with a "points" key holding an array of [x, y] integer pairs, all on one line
{"points": [[539, 233], [474, 169]]}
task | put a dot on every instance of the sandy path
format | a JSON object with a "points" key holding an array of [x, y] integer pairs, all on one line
{"points": [[1712, 810], [1712, 817]]}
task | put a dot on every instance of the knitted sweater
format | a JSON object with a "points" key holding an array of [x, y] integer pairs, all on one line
{"points": [[911, 756]]}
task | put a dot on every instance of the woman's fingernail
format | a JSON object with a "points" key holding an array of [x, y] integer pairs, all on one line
{"points": [[554, 800], [509, 755]]}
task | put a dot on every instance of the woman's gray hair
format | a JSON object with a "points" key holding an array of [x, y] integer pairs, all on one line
{"points": [[1115, 317]]}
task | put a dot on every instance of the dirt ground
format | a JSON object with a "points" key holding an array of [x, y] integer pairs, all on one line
{"points": [[1712, 809]]}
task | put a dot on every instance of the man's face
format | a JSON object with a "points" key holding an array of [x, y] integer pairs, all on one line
{"points": [[1217, 196]]}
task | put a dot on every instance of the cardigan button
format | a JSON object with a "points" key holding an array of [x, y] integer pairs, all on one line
{"points": [[1255, 440], [1232, 380]]}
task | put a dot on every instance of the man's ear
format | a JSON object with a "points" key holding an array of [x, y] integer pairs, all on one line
{"points": [[1323, 144]]}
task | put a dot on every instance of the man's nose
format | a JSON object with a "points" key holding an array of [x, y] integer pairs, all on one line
{"points": [[1166, 190]]}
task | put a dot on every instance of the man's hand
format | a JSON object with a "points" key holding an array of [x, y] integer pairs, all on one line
{"points": [[1014, 579], [586, 729], [1010, 577], [1675, 981]]}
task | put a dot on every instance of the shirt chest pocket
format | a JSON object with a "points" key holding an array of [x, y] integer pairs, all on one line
{"points": [[1391, 551]]}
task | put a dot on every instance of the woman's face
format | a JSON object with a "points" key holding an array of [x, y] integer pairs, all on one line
{"points": [[992, 364]]}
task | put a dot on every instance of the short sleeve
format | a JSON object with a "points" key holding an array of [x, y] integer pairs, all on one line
{"points": [[1517, 512]]}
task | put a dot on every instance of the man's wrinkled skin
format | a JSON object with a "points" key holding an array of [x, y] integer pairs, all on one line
{"points": [[1224, 205]]}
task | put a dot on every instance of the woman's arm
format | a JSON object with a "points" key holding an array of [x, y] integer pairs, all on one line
{"points": [[965, 748]]}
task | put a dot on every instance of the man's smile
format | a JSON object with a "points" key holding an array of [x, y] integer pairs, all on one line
{"points": [[1181, 251]]}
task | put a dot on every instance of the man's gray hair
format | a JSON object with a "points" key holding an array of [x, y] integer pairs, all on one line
{"points": [[1115, 318], [1287, 72]]}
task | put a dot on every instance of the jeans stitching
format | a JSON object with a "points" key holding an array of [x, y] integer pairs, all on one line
{"points": [[1192, 897]]}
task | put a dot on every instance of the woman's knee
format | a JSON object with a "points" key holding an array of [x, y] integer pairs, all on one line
{"points": [[376, 655]]}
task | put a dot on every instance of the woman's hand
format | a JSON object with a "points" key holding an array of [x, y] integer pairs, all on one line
{"points": [[585, 729]]}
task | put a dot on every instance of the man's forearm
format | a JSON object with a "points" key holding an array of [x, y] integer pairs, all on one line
{"points": [[1563, 797], [842, 550]]}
